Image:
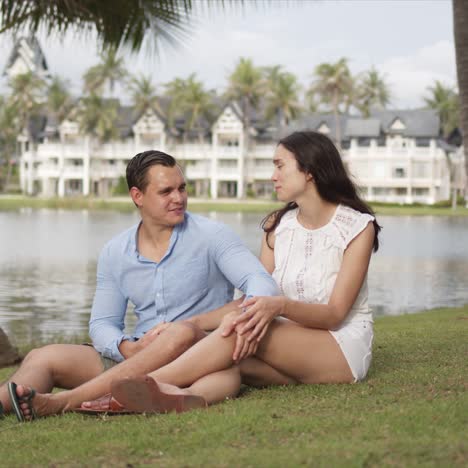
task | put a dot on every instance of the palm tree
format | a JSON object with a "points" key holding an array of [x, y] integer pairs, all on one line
{"points": [[372, 92], [190, 98], [175, 90], [333, 82], [125, 24], [143, 94], [59, 100], [282, 95], [460, 22], [110, 71], [97, 117], [246, 85], [444, 100], [27, 97], [9, 131]]}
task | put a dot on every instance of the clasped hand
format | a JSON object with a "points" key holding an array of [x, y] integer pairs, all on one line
{"points": [[252, 325]]}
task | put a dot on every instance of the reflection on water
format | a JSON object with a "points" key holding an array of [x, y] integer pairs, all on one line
{"points": [[48, 263]]}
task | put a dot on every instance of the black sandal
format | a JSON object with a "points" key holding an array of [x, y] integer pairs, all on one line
{"points": [[15, 401]]}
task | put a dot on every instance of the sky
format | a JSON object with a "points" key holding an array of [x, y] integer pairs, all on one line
{"points": [[410, 42]]}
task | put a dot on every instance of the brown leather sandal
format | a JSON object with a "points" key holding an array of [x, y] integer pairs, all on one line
{"points": [[143, 395]]}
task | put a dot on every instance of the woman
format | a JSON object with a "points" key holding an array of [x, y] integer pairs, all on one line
{"points": [[318, 249]]}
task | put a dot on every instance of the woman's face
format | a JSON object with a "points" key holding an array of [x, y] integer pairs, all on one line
{"points": [[290, 183]]}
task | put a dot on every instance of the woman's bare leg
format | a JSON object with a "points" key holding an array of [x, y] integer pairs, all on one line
{"points": [[218, 386], [214, 387], [313, 355], [257, 373], [212, 354]]}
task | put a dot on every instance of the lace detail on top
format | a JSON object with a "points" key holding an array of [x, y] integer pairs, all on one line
{"points": [[300, 277], [349, 223], [307, 261]]}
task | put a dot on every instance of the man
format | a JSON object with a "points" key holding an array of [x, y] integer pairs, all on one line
{"points": [[173, 267]]}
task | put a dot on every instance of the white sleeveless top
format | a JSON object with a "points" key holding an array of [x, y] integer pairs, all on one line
{"points": [[307, 261]]}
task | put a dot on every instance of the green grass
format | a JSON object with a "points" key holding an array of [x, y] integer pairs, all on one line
{"points": [[122, 204], [411, 411]]}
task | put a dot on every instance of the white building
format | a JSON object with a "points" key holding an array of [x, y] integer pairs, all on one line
{"points": [[394, 156]]}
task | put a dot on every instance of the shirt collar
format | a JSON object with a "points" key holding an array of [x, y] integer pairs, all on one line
{"points": [[174, 236]]}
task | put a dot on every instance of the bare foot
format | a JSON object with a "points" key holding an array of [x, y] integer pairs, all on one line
{"points": [[105, 403], [42, 404]]}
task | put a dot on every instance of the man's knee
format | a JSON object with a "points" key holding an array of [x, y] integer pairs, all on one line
{"points": [[185, 335], [45, 354]]}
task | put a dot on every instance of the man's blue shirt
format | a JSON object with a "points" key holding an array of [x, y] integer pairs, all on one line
{"points": [[205, 260]]}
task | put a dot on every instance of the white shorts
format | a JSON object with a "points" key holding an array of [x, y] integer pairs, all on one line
{"points": [[355, 340]]}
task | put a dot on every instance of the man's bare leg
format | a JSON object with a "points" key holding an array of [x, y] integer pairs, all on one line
{"points": [[166, 347], [56, 365]]}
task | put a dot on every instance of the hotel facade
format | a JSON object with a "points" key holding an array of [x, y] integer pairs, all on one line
{"points": [[394, 156]]}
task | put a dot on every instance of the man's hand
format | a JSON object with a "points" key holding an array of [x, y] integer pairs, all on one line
{"points": [[261, 311], [129, 348], [152, 334]]}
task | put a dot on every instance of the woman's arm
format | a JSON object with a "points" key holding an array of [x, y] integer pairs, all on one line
{"points": [[348, 283], [267, 254]]}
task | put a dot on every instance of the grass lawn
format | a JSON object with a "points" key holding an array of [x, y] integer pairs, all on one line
{"points": [[124, 204], [411, 411]]}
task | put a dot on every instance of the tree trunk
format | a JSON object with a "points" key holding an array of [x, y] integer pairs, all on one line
{"points": [[8, 175], [337, 121], [460, 28], [8, 354]]}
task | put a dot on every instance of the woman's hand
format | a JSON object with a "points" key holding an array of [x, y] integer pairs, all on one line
{"points": [[244, 348], [261, 311]]}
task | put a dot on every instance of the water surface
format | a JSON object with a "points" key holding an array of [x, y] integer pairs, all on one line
{"points": [[48, 265]]}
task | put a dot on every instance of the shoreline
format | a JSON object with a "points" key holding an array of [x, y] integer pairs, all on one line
{"points": [[124, 204]]}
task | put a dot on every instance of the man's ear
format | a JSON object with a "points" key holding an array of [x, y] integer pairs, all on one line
{"points": [[136, 195]]}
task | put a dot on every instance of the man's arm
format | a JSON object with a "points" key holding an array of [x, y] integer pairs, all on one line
{"points": [[106, 324], [240, 266], [209, 321]]}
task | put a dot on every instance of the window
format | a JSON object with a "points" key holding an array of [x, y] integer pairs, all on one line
{"points": [[420, 170], [401, 191], [420, 191], [399, 172]]}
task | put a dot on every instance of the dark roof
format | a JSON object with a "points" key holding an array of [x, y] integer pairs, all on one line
{"points": [[38, 59], [418, 122], [315, 121], [362, 128]]}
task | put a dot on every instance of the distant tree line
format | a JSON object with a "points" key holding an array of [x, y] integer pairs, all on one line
{"points": [[273, 91]]}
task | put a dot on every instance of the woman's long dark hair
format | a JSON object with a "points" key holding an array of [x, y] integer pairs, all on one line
{"points": [[316, 155]]}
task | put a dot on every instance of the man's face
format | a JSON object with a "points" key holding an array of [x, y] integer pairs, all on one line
{"points": [[164, 200]]}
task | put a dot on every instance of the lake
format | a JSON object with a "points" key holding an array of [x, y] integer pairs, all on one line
{"points": [[48, 265]]}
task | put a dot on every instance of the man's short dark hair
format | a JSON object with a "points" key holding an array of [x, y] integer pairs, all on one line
{"points": [[139, 165]]}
